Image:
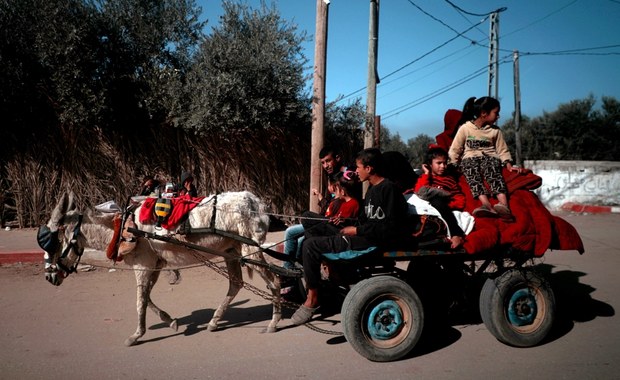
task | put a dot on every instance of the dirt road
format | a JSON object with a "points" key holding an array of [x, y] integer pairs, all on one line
{"points": [[76, 331]]}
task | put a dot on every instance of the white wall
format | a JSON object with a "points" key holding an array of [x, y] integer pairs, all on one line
{"points": [[586, 182]]}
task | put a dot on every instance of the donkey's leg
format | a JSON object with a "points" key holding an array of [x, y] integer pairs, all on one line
{"points": [[165, 317], [274, 286], [143, 290], [235, 282]]}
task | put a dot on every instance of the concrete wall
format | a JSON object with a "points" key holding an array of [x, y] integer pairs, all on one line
{"points": [[586, 182]]}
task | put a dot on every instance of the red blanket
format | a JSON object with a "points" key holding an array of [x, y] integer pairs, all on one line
{"points": [[181, 206], [534, 230]]}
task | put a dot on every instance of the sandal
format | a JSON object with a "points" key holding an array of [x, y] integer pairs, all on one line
{"points": [[303, 315], [484, 212]]}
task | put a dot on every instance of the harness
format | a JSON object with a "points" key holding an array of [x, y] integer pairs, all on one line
{"points": [[72, 246], [48, 241]]}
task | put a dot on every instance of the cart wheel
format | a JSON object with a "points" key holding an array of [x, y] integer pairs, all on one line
{"points": [[382, 318], [518, 307]]}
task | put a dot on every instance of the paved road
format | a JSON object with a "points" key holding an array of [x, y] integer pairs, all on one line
{"points": [[76, 331]]}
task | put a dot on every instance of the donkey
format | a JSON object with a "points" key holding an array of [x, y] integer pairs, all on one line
{"points": [[68, 232]]}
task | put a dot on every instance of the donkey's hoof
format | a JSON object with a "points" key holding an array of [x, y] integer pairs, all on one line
{"points": [[131, 341], [271, 329], [174, 325], [211, 327]]}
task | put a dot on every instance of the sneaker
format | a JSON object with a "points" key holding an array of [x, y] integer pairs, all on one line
{"points": [[485, 212]]}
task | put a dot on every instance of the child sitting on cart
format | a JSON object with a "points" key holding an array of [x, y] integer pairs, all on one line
{"points": [[341, 212], [439, 186], [384, 220]]}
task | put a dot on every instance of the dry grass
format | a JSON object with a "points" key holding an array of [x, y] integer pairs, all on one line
{"points": [[272, 164]]}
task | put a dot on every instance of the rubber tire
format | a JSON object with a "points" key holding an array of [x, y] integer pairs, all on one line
{"points": [[523, 326], [398, 307]]}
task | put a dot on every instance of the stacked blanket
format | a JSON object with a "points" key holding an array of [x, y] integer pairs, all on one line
{"points": [[534, 230]]}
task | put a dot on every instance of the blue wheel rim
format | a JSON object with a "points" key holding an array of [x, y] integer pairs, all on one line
{"points": [[385, 320], [522, 307]]}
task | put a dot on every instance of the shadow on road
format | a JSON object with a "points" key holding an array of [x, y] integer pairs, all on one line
{"points": [[574, 302], [234, 316]]}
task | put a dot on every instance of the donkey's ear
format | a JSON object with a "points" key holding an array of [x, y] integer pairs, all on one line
{"points": [[71, 202], [59, 212]]}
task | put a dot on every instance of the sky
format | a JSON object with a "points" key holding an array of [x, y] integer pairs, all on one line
{"points": [[433, 57]]}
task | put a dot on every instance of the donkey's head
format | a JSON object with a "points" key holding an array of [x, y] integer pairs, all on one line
{"points": [[61, 240]]}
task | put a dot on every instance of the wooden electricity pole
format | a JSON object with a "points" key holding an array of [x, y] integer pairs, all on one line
{"points": [[371, 95], [517, 86], [318, 99]]}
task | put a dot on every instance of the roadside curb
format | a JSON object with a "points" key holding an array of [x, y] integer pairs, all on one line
{"points": [[13, 257], [578, 207], [21, 257]]}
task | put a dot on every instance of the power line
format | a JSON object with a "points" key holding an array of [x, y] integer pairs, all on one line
{"points": [[433, 63], [416, 59], [576, 51], [433, 94], [458, 34], [439, 21], [475, 14], [479, 72], [540, 19], [440, 91], [425, 98]]}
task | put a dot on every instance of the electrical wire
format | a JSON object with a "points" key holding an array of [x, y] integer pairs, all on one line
{"points": [[433, 63], [575, 51], [477, 73], [440, 21], [458, 34], [440, 91], [474, 14], [415, 60], [540, 19]]}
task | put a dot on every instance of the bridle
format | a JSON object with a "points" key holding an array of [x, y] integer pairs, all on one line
{"points": [[55, 269]]}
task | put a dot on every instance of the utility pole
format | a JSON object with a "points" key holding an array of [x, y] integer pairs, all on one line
{"points": [[378, 131], [318, 99], [371, 95], [493, 56], [517, 87]]}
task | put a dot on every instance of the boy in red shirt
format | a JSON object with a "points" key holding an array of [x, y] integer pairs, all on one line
{"points": [[439, 185]]}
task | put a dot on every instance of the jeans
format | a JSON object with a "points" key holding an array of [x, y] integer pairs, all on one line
{"points": [[294, 236]]}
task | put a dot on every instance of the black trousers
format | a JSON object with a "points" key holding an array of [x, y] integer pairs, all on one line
{"points": [[314, 248], [448, 216]]}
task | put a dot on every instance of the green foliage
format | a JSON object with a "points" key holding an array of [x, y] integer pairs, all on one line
{"points": [[414, 150], [417, 148], [146, 49], [248, 74], [344, 127], [575, 131], [106, 64]]}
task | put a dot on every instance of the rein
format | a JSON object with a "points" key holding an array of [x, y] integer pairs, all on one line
{"points": [[72, 246], [128, 213]]}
